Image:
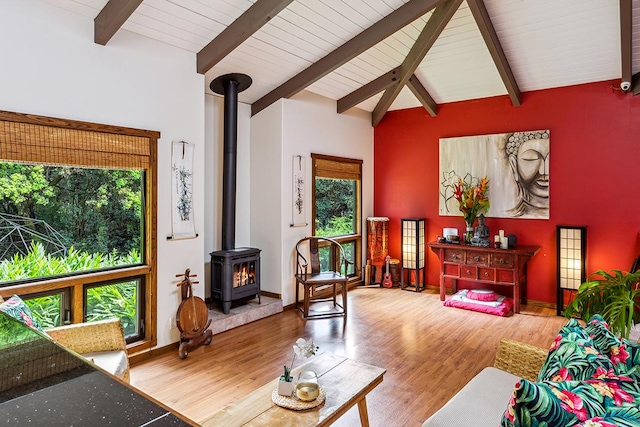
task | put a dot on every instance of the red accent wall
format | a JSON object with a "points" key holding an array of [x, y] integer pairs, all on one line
{"points": [[594, 178]]}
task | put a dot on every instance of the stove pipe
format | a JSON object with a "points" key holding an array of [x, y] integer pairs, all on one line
{"points": [[230, 85]]}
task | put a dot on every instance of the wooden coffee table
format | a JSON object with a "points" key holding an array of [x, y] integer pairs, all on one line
{"points": [[345, 381]]}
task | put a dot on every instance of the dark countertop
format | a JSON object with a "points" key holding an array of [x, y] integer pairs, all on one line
{"points": [[44, 384]]}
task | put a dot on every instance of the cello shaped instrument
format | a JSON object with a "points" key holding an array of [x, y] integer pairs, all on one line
{"points": [[192, 318]]}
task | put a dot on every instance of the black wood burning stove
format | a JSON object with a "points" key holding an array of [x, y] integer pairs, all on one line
{"points": [[235, 275], [235, 272]]}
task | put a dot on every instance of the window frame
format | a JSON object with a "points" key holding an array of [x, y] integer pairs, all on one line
{"points": [[341, 168], [147, 269]]}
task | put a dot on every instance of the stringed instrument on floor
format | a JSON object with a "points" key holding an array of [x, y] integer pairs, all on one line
{"points": [[192, 319], [386, 281]]}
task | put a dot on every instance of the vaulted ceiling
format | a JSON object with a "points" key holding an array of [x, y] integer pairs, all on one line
{"points": [[381, 55]]}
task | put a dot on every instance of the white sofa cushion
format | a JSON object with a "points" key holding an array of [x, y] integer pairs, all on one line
{"points": [[114, 362], [480, 403]]}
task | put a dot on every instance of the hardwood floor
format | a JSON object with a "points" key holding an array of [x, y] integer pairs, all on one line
{"points": [[429, 351]]}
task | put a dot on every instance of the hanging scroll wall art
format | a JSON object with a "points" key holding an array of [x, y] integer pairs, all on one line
{"points": [[298, 180], [183, 224]]}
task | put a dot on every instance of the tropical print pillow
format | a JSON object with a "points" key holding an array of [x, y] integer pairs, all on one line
{"points": [[624, 354], [627, 417], [570, 403], [16, 308], [573, 356]]}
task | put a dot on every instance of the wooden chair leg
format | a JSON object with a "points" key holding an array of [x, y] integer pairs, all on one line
{"points": [[335, 293], [307, 297], [344, 298]]}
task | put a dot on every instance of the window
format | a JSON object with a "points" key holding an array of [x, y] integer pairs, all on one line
{"points": [[77, 214], [337, 206]]}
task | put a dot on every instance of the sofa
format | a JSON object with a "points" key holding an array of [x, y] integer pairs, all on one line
{"points": [[101, 342], [588, 377]]}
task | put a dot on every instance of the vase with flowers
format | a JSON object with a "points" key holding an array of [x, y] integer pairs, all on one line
{"points": [[303, 349], [472, 201]]}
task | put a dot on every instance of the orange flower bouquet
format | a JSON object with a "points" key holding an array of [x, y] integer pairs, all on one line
{"points": [[472, 198]]}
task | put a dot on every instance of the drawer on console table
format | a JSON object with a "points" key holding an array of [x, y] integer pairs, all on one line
{"points": [[468, 272], [452, 270], [453, 255], [478, 258], [501, 260], [486, 274], [505, 276]]}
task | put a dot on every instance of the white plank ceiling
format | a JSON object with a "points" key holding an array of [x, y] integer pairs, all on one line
{"points": [[547, 43]]}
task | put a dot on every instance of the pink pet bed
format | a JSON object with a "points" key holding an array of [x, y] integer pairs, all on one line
{"points": [[480, 300]]}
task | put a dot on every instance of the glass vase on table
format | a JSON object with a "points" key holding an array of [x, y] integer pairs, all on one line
{"points": [[468, 235]]}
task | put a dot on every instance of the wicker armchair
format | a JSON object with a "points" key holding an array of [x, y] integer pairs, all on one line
{"points": [[88, 338], [520, 359]]}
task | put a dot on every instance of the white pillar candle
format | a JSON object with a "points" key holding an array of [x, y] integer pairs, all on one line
{"points": [[496, 238], [504, 243], [501, 234]]}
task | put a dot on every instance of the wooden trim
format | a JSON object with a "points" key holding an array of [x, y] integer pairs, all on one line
{"points": [[367, 91], [423, 96], [10, 116], [368, 38], [626, 35], [240, 30], [490, 37], [151, 233], [112, 16], [138, 357], [432, 30], [72, 281]]}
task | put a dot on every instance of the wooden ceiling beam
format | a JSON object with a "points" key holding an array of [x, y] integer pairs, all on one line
{"points": [[433, 28], [111, 18], [635, 84], [368, 38], [423, 96], [625, 43], [241, 29], [367, 91], [490, 37]]}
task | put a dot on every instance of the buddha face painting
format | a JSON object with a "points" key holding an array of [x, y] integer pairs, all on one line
{"points": [[528, 156]]}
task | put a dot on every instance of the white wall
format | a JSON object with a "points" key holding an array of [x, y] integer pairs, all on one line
{"points": [[52, 67], [304, 124]]}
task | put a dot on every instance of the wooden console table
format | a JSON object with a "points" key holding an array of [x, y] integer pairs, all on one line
{"points": [[503, 267]]}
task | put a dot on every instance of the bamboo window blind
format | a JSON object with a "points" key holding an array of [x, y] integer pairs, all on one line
{"points": [[23, 139], [336, 167]]}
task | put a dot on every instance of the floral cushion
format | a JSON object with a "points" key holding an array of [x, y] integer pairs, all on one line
{"points": [[16, 308], [573, 356], [589, 379], [569, 403]]}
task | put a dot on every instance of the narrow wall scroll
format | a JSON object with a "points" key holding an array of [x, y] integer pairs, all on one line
{"points": [[183, 224], [298, 204]]}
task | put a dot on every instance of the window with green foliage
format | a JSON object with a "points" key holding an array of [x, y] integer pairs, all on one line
{"points": [[122, 300], [50, 309], [337, 205], [57, 220], [77, 204]]}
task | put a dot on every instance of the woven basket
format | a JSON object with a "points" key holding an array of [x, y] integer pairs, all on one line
{"points": [[295, 403], [520, 359]]}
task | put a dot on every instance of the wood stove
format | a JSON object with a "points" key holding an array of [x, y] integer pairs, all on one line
{"points": [[235, 276], [235, 272]]}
